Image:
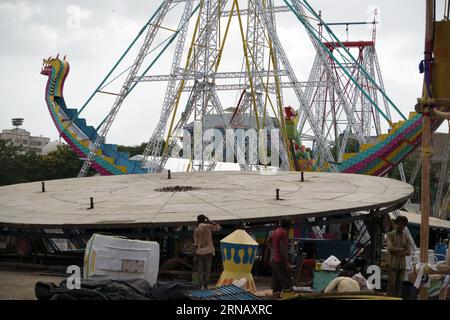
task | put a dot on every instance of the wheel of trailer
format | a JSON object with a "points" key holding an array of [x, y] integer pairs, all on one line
{"points": [[24, 247], [187, 246]]}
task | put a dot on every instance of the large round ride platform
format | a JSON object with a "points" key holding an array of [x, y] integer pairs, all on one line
{"points": [[226, 197]]}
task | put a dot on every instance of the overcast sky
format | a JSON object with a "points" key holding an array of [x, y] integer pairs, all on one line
{"points": [[93, 34]]}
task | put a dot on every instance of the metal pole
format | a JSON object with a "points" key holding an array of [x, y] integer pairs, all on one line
{"points": [[426, 148], [447, 9], [425, 194]]}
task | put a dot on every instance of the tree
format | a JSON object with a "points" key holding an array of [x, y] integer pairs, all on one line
{"points": [[17, 166], [11, 170], [133, 150], [351, 147], [63, 163], [409, 164], [138, 149]]}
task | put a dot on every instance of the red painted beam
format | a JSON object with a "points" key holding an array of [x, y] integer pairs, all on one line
{"points": [[349, 44]]}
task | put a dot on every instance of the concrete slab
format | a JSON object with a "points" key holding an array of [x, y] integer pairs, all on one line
{"points": [[222, 196]]}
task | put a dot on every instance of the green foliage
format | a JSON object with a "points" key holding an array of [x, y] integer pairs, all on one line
{"points": [[63, 163], [408, 165], [18, 167], [11, 169], [132, 150], [352, 146], [137, 150]]}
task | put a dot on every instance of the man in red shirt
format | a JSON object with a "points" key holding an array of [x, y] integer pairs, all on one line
{"points": [[281, 271]]}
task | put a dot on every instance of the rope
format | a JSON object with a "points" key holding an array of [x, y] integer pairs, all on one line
{"points": [[421, 273]]}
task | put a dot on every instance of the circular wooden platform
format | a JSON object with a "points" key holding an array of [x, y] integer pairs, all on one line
{"points": [[152, 199]]}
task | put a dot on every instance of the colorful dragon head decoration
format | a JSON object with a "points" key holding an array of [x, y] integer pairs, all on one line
{"points": [[301, 154], [57, 70]]}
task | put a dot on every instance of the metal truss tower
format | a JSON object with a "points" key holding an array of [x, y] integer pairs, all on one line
{"points": [[259, 82], [341, 110], [331, 108], [196, 82]]}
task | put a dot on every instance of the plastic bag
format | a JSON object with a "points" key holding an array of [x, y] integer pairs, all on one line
{"points": [[363, 283], [331, 263], [242, 283]]}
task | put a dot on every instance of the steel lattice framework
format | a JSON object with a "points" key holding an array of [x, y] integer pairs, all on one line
{"points": [[337, 102], [340, 108], [196, 73], [344, 97]]}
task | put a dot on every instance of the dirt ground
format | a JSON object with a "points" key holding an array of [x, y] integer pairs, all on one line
{"points": [[19, 284]]}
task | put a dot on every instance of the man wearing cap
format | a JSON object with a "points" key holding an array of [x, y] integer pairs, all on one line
{"points": [[398, 247]]}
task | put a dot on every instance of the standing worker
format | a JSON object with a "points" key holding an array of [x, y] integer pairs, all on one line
{"points": [[204, 248], [281, 270], [398, 247]]}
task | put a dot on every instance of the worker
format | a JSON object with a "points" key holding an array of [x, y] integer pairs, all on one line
{"points": [[398, 247], [345, 231], [353, 270], [345, 282], [281, 270], [205, 250]]}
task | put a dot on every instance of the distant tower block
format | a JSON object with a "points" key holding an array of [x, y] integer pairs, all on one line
{"points": [[238, 254], [17, 122]]}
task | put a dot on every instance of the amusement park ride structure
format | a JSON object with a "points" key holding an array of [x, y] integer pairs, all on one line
{"points": [[338, 102], [331, 93], [344, 98]]}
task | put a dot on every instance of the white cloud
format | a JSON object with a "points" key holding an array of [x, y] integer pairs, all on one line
{"points": [[19, 11]]}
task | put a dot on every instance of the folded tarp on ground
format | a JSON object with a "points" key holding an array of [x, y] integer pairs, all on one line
{"points": [[135, 289]]}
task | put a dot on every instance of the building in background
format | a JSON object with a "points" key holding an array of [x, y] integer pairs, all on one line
{"points": [[23, 138]]}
